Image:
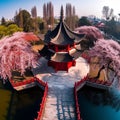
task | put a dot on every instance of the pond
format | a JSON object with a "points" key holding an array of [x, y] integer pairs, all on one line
{"points": [[96, 104], [22, 105]]}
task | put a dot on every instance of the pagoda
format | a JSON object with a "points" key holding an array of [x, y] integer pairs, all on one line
{"points": [[58, 43]]}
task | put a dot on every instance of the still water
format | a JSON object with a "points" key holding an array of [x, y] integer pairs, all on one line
{"points": [[96, 104], [22, 105]]}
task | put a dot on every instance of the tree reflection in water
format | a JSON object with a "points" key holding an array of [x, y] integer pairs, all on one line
{"points": [[96, 96]]}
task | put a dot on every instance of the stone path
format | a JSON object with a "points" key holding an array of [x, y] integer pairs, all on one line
{"points": [[60, 103]]}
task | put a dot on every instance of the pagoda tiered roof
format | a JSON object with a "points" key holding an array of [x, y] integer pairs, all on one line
{"points": [[62, 57], [47, 53], [62, 35]]}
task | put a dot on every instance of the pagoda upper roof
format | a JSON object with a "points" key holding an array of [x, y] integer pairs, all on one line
{"points": [[46, 52], [62, 57], [62, 35]]}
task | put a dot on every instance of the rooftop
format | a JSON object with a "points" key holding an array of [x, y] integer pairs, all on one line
{"points": [[62, 57], [62, 35]]}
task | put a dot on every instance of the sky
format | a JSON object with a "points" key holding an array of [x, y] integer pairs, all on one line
{"points": [[83, 7]]}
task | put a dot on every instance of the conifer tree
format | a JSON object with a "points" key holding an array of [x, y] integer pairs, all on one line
{"points": [[34, 17], [48, 14], [70, 16]]}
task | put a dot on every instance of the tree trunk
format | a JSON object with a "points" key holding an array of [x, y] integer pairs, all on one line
{"points": [[98, 75]]}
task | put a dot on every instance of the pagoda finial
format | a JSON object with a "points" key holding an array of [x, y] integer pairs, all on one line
{"points": [[61, 14]]}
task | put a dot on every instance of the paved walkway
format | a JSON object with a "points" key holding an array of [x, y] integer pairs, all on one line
{"points": [[60, 101]]}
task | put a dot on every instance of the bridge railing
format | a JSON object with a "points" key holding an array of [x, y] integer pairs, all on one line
{"points": [[77, 84], [25, 82], [16, 84], [101, 82], [44, 84], [40, 82], [42, 105], [76, 103], [81, 81]]}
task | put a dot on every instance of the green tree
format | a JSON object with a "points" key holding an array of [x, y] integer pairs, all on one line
{"points": [[3, 31], [8, 30], [3, 21], [48, 14], [107, 12], [23, 18], [42, 25], [12, 29], [76, 21], [112, 29], [111, 26], [70, 16], [34, 19], [84, 21]]}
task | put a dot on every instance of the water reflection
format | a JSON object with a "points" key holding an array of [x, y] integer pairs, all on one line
{"points": [[102, 103], [22, 105]]}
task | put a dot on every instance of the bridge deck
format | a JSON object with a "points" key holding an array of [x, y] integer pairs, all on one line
{"points": [[60, 104], [60, 101]]}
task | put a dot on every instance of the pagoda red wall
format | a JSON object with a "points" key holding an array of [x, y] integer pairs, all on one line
{"points": [[60, 48]]}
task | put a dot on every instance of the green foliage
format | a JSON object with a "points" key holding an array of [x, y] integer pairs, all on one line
{"points": [[23, 19], [56, 21], [39, 20], [76, 21], [42, 25], [112, 28], [8, 30], [84, 21], [3, 31], [107, 12], [3, 22], [4, 102], [12, 29]]}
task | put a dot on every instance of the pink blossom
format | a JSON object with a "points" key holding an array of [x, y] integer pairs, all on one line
{"points": [[108, 51], [90, 31], [16, 54], [28, 36]]}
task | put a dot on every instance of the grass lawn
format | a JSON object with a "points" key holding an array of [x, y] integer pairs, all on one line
{"points": [[22, 105], [5, 97]]}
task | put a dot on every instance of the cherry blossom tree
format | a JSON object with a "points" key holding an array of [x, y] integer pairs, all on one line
{"points": [[108, 53], [28, 36], [92, 35], [90, 31], [16, 54]]}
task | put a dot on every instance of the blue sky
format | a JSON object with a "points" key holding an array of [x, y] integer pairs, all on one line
{"points": [[83, 7]]}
